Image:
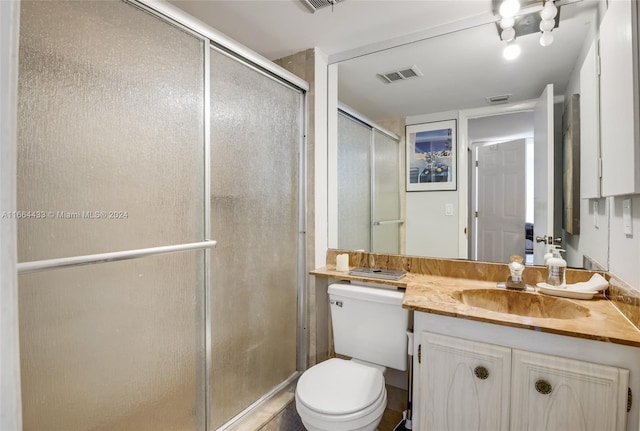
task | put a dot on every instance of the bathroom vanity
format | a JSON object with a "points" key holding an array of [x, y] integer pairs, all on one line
{"points": [[475, 375], [501, 360], [491, 359]]}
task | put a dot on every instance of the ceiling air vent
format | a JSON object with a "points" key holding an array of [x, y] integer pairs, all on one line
{"points": [[400, 75], [314, 5], [496, 100]]}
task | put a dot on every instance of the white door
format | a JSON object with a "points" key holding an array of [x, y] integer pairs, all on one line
{"points": [[543, 178], [550, 393], [464, 385], [501, 198]]}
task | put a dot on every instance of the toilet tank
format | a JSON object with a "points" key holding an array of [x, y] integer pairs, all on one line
{"points": [[369, 324]]}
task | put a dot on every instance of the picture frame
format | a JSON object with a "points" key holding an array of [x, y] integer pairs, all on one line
{"points": [[431, 156]]}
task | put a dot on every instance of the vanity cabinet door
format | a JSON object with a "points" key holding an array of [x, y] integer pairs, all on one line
{"points": [[552, 393], [464, 385]]}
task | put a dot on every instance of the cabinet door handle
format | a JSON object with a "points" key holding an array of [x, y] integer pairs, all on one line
{"points": [[543, 387], [481, 372]]}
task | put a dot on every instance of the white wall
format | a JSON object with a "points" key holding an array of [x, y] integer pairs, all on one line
{"points": [[429, 232], [624, 250]]}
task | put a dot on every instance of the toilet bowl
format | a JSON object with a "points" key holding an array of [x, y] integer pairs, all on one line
{"points": [[369, 325], [341, 395]]}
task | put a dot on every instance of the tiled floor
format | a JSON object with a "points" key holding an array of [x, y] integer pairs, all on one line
{"points": [[396, 404], [390, 419]]}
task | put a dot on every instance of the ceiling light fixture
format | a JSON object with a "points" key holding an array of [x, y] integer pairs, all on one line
{"points": [[548, 15], [510, 25], [546, 39], [508, 34], [509, 8], [511, 51], [549, 11], [507, 22]]}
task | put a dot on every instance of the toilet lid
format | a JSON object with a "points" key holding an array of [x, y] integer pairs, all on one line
{"points": [[338, 387]]}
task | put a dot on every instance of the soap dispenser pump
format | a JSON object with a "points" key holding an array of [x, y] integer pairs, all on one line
{"points": [[556, 270], [549, 254]]}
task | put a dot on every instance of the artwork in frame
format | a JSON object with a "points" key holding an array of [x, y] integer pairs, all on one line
{"points": [[431, 156]]}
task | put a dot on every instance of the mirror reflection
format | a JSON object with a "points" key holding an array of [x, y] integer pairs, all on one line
{"points": [[509, 122]]}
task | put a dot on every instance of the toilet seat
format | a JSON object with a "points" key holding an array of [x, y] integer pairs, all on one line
{"points": [[341, 395]]}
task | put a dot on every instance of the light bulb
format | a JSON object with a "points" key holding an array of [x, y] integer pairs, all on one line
{"points": [[508, 34], [549, 11], [547, 24], [511, 51], [546, 39], [509, 8], [507, 22]]}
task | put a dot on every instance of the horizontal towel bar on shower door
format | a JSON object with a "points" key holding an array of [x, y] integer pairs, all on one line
{"points": [[65, 262], [378, 223]]}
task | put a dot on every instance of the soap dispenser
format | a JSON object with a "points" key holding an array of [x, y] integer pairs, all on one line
{"points": [[549, 254], [556, 270]]}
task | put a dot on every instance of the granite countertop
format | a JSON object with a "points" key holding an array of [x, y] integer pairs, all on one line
{"points": [[596, 319]]}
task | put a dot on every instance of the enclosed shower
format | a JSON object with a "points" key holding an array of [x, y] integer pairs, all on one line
{"points": [[162, 217], [365, 199]]}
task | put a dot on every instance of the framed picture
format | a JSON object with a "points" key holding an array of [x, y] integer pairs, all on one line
{"points": [[431, 156]]}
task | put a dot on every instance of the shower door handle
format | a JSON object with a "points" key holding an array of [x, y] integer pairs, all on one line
{"points": [[382, 222]]}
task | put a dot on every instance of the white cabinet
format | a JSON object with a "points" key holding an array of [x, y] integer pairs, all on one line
{"points": [[619, 111], [589, 381], [465, 384], [557, 394], [589, 126], [471, 386]]}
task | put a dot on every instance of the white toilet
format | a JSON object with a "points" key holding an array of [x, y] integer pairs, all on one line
{"points": [[369, 325]]}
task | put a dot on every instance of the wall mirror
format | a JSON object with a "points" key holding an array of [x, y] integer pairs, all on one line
{"points": [[457, 74]]}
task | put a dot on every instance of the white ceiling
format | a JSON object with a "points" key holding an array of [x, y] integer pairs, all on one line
{"points": [[278, 28], [461, 68]]}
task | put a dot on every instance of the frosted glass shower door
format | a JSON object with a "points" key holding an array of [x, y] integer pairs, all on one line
{"points": [[385, 234], [256, 142], [110, 158], [368, 183], [354, 184], [111, 103]]}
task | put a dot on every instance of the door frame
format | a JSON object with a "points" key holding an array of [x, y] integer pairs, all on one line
{"points": [[464, 177]]}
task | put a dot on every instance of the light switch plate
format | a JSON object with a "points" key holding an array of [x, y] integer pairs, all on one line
{"points": [[448, 209], [626, 217]]}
